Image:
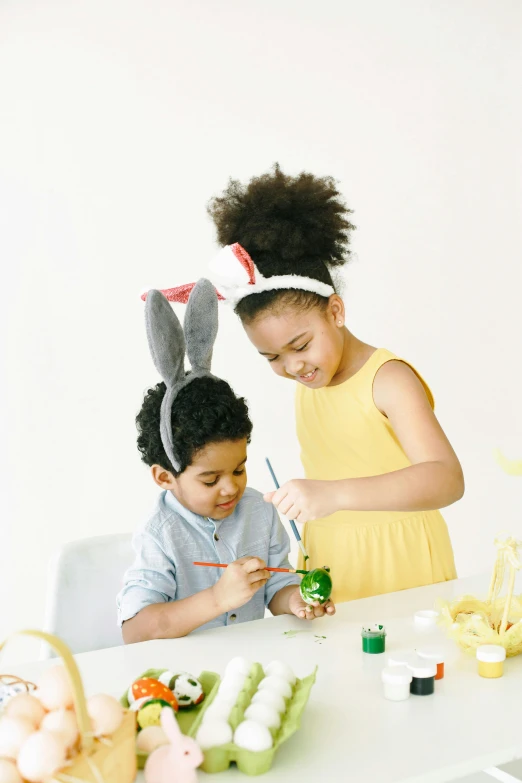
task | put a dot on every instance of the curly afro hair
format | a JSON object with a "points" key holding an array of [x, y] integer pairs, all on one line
{"points": [[290, 226], [205, 411]]}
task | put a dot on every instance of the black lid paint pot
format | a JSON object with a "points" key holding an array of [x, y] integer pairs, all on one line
{"points": [[423, 677], [373, 639]]}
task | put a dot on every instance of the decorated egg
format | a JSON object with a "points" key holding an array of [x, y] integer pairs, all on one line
{"points": [[150, 713], [281, 669], [41, 756], [14, 732], [213, 733], [26, 706], [55, 689], [9, 772], [251, 735], [63, 723], [277, 685], [150, 688], [263, 713], [106, 714], [316, 585], [186, 688], [274, 700], [150, 738]]}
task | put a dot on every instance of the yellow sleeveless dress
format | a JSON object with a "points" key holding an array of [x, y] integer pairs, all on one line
{"points": [[342, 434]]}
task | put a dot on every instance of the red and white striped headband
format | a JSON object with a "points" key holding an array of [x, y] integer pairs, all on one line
{"points": [[235, 276]]}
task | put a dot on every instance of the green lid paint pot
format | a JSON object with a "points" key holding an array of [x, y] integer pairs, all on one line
{"points": [[434, 655], [316, 585], [491, 659], [396, 681], [423, 677], [373, 639]]}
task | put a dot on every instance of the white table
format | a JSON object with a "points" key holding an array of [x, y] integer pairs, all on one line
{"points": [[349, 731]]}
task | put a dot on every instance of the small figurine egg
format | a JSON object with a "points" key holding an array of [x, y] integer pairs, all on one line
{"points": [[14, 732], [9, 772], [251, 735], [150, 713], [277, 685], [64, 723], [280, 669], [187, 689], [150, 738], [106, 714], [213, 733], [26, 706], [263, 713], [274, 700], [55, 690], [41, 756], [238, 665], [148, 687]]}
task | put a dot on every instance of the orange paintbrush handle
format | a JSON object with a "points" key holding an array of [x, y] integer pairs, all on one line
{"points": [[224, 565]]}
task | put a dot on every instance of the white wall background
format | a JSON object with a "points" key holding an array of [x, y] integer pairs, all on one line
{"points": [[120, 118]]}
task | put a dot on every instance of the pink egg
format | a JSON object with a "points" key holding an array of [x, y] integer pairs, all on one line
{"points": [[13, 734], [55, 690], [64, 724], [9, 772], [41, 756], [26, 706], [106, 714]]}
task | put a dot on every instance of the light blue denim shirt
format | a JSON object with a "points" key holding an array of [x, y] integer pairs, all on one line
{"points": [[167, 545]]}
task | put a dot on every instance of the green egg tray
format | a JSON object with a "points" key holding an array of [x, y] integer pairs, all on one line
{"points": [[247, 761], [189, 718]]}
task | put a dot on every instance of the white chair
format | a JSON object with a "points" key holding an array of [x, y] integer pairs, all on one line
{"points": [[84, 579]]}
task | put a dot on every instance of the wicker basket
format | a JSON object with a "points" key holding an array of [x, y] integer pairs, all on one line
{"points": [[97, 761]]}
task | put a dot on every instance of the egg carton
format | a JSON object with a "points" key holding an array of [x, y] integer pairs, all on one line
{"points": [[189, 718], [251, 762]]}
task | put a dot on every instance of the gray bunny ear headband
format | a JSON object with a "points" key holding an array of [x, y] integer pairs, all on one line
{"points": [[168, 343]]}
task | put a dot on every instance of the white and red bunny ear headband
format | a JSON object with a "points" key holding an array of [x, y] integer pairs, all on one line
{"points": [[235, 276]]}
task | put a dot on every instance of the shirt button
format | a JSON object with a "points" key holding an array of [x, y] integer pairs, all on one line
{"points": [[216, 537], [233, 617]]}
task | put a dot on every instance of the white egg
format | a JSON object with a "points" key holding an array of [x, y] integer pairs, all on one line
{"points": [[280, 669], [273, 699], [106, 714], [63, 723], [26, 706], [13, 734], [277, 685], [213, 733], [251, 735], [9, 772], [263, 713], [41, 756], [238, 665], [150, 738], [231, 686], [218, 709], [55, 689]]}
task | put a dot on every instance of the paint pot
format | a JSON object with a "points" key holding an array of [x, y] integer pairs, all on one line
{"points": [[423, 677], [396, 681], [491, 659], [401, 658], [373, 639], [434, 655], [426, 618]]}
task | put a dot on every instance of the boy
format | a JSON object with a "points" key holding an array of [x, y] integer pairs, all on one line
{"points": [[205, 512]]}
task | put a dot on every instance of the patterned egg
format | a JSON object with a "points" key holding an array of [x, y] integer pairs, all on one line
{"points": [[186, 688], [150, 688], [150, 713]]}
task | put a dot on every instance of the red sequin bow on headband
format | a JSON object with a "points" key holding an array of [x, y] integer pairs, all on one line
{"points": [[234, 275]]}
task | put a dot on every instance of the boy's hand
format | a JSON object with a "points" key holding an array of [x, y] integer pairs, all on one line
{"points": [[240, 581], [309, 611], [304, 499]]}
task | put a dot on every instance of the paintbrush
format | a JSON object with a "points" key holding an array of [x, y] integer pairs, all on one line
{"points": [[292, 523], [278, 570]]}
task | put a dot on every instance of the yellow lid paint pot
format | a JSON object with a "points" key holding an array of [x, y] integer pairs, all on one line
{"points": [[491, 659]]}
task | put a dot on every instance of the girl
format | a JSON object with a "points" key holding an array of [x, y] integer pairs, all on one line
{"points": [[377, 462]]}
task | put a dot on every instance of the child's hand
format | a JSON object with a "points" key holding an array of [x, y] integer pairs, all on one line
{"points": [[304, 499], [240, 581], [306, 611]]}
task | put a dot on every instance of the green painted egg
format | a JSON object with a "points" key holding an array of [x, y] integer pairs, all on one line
{"points": [[316, 585]]}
